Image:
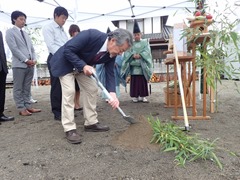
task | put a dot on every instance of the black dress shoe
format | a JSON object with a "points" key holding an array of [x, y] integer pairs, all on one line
{"points": [[57, 118], [5, 118], [96, 128], [78, 109]]}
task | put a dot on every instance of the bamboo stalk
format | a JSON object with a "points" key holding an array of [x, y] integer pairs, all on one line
{"points": [[181, 88]]}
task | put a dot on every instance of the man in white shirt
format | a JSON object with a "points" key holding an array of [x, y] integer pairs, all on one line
{"points": [[55, 37]]}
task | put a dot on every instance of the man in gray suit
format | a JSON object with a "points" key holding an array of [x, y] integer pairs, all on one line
{"points": [[23, 61], [3, 75]]}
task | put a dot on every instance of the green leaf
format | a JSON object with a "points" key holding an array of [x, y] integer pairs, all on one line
{"points": [[217, 160], [170, 149]]}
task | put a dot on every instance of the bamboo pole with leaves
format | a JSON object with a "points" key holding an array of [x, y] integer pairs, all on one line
{"points": [[217, 58], [187, 148]]}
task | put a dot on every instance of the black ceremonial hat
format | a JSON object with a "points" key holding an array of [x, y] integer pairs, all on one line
{"points": [[108, 30], [136, 28]]}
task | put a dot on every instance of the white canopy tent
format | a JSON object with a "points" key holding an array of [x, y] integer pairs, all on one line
{"points": [[97, 14], [92, 12]]}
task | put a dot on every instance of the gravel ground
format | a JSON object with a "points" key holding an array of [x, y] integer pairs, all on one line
{"points": [[35, 147]]}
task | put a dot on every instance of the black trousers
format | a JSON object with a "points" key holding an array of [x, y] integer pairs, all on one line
{"points": [[55, 92], [3, 76]]}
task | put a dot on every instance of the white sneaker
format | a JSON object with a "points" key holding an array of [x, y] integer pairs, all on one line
{"points": [[144, 99], [33, 101], [135, 100]]}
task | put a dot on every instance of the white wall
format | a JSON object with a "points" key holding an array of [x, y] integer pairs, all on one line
{"points": [[147, 27], [156, 24], [123, 24]]}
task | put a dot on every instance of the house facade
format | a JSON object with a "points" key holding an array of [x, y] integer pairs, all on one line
{"points": [[155, 30]]}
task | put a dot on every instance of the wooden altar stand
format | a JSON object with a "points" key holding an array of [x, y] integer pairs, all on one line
{"points": [[188, 73], [200, 28], [185, 63]]}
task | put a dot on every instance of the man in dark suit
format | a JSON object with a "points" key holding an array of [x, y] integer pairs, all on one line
{"points": [[75, 60], [3, 75]]}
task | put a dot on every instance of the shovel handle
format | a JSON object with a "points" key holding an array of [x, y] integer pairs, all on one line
{"points": [[94, 77], [121, 111]]}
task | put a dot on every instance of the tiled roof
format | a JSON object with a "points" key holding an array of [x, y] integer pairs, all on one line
{"points": [[158, 36]]}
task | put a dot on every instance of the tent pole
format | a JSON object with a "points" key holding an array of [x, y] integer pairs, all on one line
{"points": [[76, 12]]}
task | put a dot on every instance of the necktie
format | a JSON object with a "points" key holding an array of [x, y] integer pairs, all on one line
{"points": [[23, 37], [25, 41], [98, 56]]}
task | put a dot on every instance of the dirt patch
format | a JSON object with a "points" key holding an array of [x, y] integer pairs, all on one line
{"points": [[137, 136]]}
